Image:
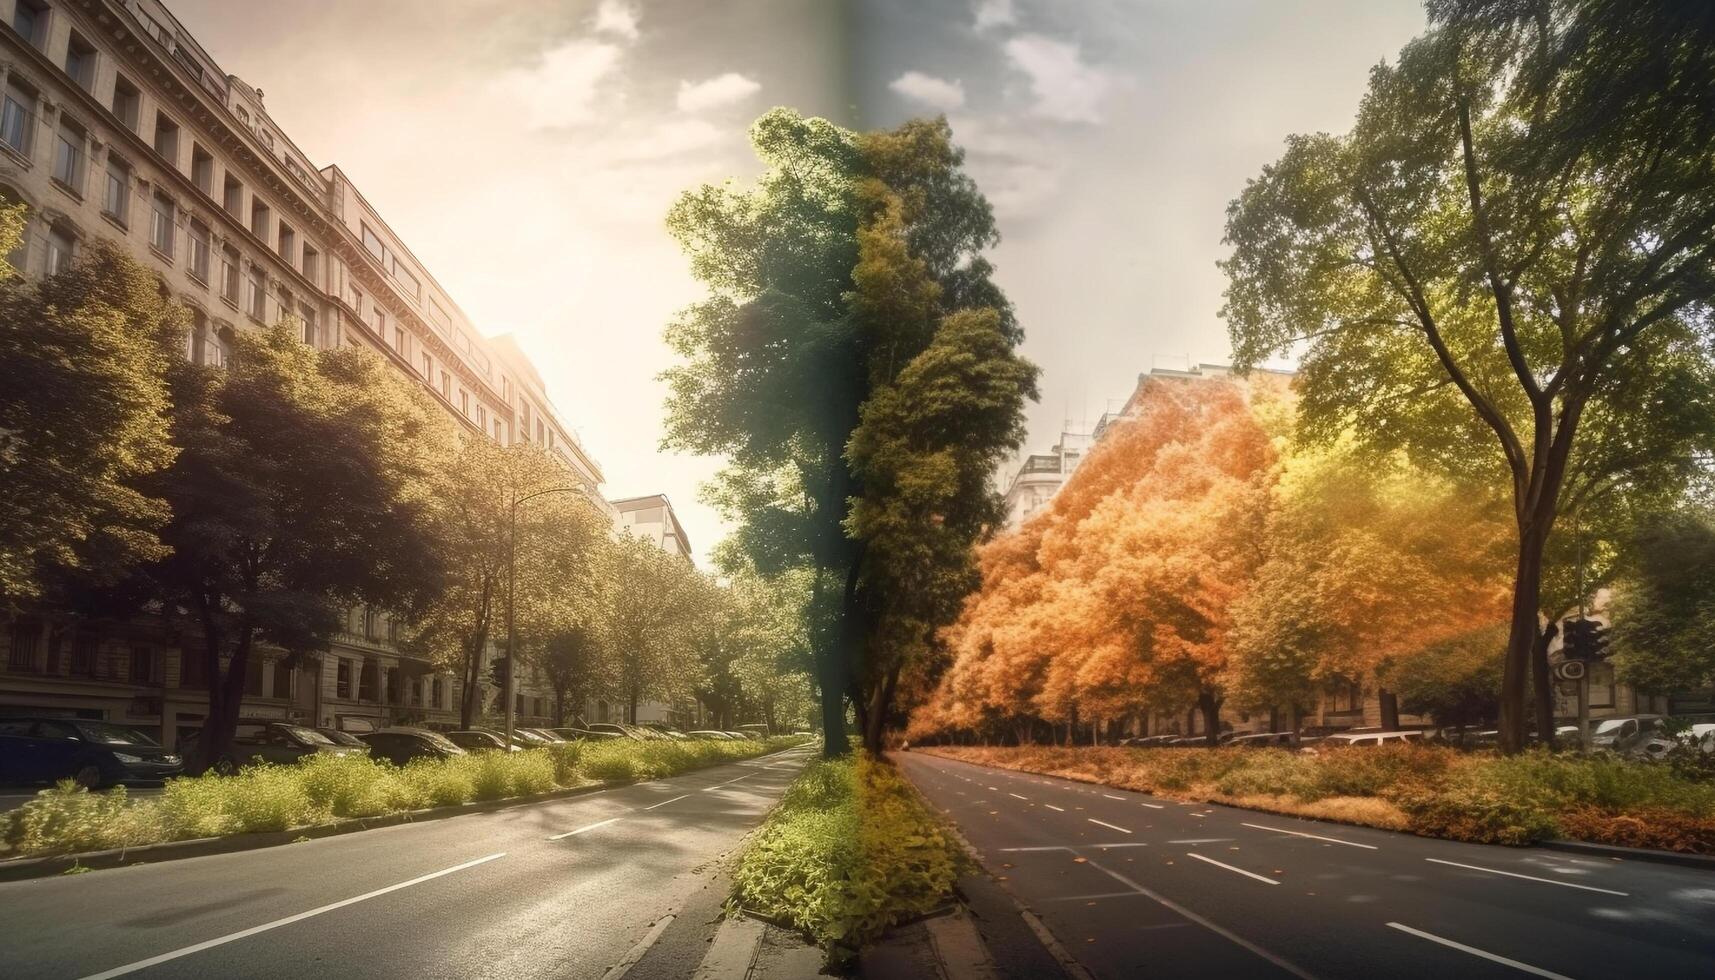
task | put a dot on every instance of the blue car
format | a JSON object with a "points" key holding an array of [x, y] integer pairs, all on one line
{"points": [[93, 753]]}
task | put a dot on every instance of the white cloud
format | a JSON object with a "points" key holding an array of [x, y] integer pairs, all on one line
{"points": [[562, 91], [715, 92], [672, 138], [616, 17], [929, 90], [995, 13], [1065, 87], [1019, 167]]}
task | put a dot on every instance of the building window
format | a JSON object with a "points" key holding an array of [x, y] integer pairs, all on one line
{"points": [[258, 307], [126, 102], [116, 200], [446, 386], [142, 664], [259, 219], [161, 225], [199, 251], [80, 61], [1344, 696], [85, 654], [428, 366], [307, 313], [202, 169], [369, 682], [26, 637], [400, 343], [282, 679], [540, 437], [18, 118], [312, 264], [436, 695], [229, 274], [30, 20], [193, 670], [167, 138], [342, 679], [253, 680], [481, 416], [288, 244], [61, 246], [69, 155], [417, 693], [232, 196], [464, 402]]}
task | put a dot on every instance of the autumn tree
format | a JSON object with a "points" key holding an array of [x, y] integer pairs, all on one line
{"points": [[1510, 248], [83, 417]]}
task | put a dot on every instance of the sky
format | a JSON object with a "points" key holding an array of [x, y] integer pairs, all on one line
{"points": [[527, 151]]}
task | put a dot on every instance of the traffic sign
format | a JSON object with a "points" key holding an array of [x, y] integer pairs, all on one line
{"points": [[1570, 670]]}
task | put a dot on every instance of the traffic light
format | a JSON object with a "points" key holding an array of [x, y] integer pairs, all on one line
{"points": [[1586, 639], [498, 668]]}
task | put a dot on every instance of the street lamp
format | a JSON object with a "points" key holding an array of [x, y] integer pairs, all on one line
{"points": [[511, 685]]}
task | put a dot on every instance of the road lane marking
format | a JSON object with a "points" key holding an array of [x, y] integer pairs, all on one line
{"points": [[1474, 951], [1186, 913], [1104, 823], [729, 782], [580, 830], [1017, 797], [1201, 840], [1056, 809], [1546, 881], [288, 920], [1091, 898], [1153, 806], [1218, 864], [1112, 796], [1298, 833], [1046, 847], [665, 802]]}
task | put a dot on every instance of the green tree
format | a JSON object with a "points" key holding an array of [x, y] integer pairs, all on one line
{"points": [[652, 615], [300, 489], [1664, 616], [1511, 247], [576, 665], [1455, 681], [83, 418]]}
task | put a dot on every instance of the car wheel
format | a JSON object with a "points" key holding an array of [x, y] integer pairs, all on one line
{"points": [[224, 767], [88, 776]]}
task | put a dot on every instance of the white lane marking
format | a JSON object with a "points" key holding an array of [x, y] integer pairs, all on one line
{"points": [[1186, 913], [665, 802], [1112, 796], [1201, 840], [729, 782], [994, 789], [1056, 809], [1046, 847], [1103, 823], [1474, 951], [1297, 833], [1218, 864], [1154, 806], [288, 920], [1090, 898], [1514, 874], [1017, 797], [580, 830]]}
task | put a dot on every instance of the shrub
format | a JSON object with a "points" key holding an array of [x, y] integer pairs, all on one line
{"points": [[70, 816]]}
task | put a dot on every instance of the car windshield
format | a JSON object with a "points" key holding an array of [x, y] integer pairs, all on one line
{"points": [[307, 736], [438, 740], [341, 738], [114, 734], [1611, 726]]}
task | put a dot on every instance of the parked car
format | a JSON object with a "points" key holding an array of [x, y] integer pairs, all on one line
{"points": [[1153, 741], [1611, 731], [709, 736], [1370, 739], [92, 753], [623, 731], [662, 728], [400, 745], [585, 735], [547, 734], [338, 737], [275, 742], [1655, 743], [478, 741], [758, 731], [1262, 739], [743, 736], [520, 738]]}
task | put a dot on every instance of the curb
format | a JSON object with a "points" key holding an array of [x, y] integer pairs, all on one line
{"points": [[1615, 851], [49, 865]]}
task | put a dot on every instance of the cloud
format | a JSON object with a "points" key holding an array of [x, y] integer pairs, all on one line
{"points": [[1019, 167], [715, 92], [994, 13], [616, 17], [562, 91], [1065, 88], [671, 138], [929, 90]]}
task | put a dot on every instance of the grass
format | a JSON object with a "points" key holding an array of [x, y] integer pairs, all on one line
{"points": [[850, 850], [1427, 790], [68, 819]]}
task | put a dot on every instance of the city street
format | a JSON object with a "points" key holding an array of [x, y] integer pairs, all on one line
{"points": [[562, 889], [1130, 884]]}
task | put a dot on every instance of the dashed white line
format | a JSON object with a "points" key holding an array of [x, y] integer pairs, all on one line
{"points": [[729, 782], [1112, 796], [586, 829], [1218, 864], [1297, 833], [1474, 951], [1201, 840], [1153, 806], [1056, 809], [1104, 823], [1017, 797], [1514, 874], [288, 920], [665, 802]]}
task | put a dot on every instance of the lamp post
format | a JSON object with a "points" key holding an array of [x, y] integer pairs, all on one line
{"points": [[511, 685]]}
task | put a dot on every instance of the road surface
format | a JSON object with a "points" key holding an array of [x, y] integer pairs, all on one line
{"points": [[559, 889], [1132, 885]]}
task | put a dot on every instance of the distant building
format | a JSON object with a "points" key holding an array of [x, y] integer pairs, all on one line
{"points": [[652, 518], [1041, 475]]}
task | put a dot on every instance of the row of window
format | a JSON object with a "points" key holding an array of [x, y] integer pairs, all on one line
{"points": [[370, 685]]}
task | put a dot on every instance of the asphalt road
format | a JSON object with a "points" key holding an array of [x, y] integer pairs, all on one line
{"points": [[1134, 885], [563, 889]]}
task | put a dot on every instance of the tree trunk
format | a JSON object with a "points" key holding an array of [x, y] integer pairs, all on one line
{"points": [[1527, 593], [1390, 709], [1210, 706], [1292, 720], [1542, 685], [225, 696], [876, 724]]}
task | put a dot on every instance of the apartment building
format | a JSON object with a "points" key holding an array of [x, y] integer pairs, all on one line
{"points": [[116, 124], [1041, 475]]}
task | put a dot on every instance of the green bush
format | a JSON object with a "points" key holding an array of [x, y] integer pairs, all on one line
{"points": [[68, 819], [849, 850]]}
